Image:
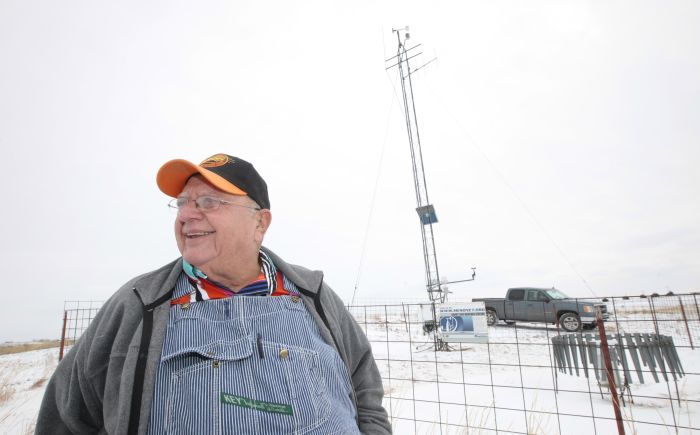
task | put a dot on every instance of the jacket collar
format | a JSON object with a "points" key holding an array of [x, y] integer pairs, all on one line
{"points": [[154, 285], [309, 280]]}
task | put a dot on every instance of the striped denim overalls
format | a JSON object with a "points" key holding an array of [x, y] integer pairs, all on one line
{"points": [[249, 365]]}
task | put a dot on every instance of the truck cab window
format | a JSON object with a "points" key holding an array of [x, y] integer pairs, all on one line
{"points": [[536, 295], [517, 295]]}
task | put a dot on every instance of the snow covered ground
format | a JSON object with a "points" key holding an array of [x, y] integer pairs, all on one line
{"points": [[508, 385], [23, 378], [513, 390]]}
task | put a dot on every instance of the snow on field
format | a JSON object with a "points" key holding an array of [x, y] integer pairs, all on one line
{"points": [[23, 378]]}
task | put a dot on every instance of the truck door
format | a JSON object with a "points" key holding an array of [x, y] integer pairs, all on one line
{"points": [[515, 305], [538, 307]]}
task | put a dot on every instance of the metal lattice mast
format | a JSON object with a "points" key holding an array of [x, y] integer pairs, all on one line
{"points": [[426, 211]]}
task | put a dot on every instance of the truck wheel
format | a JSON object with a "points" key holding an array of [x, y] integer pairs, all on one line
{"points": [[570, 322], [491, 317]]}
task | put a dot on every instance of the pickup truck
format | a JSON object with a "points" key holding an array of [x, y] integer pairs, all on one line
{"points": [[529, 304]]}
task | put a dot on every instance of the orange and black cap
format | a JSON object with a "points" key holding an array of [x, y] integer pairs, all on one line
{"points": [[227, 173]]}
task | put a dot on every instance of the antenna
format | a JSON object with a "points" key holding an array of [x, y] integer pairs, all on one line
{"points": [[436, 288], [425, 210]]}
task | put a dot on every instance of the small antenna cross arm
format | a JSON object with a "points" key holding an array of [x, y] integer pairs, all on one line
{"points": [[405, 51], [463, 280]]}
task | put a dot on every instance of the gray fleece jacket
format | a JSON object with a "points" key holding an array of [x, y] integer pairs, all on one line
{"points": [[105, 384]]}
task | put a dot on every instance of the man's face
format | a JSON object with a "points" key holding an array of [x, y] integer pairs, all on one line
{"points": [[218, 241]]}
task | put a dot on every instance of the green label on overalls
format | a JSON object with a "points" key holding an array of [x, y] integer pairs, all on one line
{"points": [[276, 408]]}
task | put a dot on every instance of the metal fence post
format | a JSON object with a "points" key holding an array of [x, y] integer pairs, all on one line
{"points": [[685, 319], [63, 335], [609, 370]]}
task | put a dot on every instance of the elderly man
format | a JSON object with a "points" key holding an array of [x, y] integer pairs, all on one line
{"points": [[227, 339]]}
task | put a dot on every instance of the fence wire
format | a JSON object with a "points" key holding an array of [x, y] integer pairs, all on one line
{"points": [[77, 315], [514, 384]]}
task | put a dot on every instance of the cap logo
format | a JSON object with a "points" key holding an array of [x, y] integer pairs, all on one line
{"points": [[215, 161]]}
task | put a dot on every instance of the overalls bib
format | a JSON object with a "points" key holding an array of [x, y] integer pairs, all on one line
{"points": [[249, 365]]}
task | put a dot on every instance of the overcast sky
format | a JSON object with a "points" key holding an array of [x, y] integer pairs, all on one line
{"points": [[561, 141]]}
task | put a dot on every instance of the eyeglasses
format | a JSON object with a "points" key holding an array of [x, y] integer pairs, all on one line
{"points": [[204, 203]]}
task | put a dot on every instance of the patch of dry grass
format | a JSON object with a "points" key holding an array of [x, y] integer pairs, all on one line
{"points": [[7, 388], [6, 393], [19, 386], [28, 428], [10, 348]]}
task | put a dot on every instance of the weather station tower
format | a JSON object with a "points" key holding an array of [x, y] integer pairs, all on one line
{"points": [[436, 288]]}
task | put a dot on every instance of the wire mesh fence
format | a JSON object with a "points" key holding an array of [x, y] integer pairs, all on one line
{"points": [[514, 383], [518, 381], [77, 315]]}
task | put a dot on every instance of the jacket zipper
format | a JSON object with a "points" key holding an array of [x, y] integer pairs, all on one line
{"points": [[140, 371]]}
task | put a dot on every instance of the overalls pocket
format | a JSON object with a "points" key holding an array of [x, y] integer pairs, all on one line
{"points": [[194, 388], [290, 377]]}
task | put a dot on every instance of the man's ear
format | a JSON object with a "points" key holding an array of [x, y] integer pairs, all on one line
{"points": [[264, 221]]}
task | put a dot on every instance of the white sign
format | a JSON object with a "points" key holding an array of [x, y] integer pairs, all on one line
{"points": [[462, 322]]}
